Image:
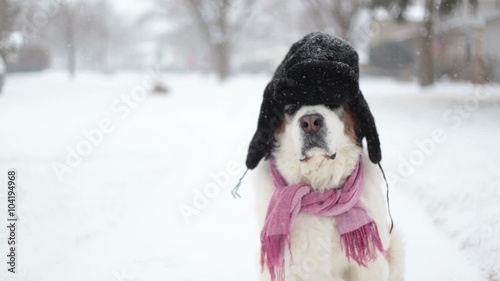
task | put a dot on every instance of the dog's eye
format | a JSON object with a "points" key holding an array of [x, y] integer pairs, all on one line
{"points": [[332, 107], [291, 109]]}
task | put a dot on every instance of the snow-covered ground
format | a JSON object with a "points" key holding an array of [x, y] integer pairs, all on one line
{"points": [[145, 190]]}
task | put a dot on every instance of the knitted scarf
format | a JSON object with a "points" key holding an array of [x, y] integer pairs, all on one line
{"points": [[359, 233]]}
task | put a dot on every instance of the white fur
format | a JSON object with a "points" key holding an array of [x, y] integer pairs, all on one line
{"points": [[316, 246]]}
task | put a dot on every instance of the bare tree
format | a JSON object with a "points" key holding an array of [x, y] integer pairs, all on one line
{"points": [[69, 18], [82, 28], [426, 71], [219, 23], [101, 28], [340, 15]]}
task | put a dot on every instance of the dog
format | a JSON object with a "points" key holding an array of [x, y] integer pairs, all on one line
{"points": [[310, 135]]}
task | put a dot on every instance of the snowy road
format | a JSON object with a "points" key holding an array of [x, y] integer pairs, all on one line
{"points": [[130, 207]]}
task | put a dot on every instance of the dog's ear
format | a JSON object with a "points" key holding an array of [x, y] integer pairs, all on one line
{"points": [[367, 126], [352, 126]]}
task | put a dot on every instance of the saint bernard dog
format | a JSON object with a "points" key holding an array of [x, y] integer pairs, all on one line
{"points": [[319, 193]]}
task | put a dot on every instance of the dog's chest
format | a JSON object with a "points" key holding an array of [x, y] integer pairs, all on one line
{"points": [[314, 237]]}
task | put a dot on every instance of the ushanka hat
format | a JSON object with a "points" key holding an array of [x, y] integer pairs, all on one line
{"points": [[318, 69]]}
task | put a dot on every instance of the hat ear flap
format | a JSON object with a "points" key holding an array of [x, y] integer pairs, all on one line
{"points": [[362, 112], [270, 118]]}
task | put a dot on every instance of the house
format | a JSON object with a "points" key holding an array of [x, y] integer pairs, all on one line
{"points": [[464, 46]]}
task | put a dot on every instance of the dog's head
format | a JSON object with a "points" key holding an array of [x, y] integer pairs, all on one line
{"points": [[319, 70], [315, 144], [317, 131]]}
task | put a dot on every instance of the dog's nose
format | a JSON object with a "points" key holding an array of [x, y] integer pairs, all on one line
{"points": [[311, 123]]}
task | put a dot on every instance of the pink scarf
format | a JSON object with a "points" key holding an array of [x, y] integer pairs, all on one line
{"points": [[358, 231]]}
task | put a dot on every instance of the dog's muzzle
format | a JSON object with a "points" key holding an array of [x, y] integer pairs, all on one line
{"points": [[313, 132]]}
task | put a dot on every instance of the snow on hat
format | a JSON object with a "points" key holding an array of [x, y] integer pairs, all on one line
{"points": [[318, 69]]}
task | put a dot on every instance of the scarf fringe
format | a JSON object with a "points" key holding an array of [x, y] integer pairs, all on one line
{"points": [[361, 244], [273, 255]]}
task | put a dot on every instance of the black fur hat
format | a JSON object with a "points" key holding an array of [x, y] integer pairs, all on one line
{"points": [[318, 69]]}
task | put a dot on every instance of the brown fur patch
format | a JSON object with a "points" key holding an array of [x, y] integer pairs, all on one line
{"points": [[350, 125], [281, 128]]}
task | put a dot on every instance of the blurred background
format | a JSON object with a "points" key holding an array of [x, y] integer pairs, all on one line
{"points": [[424, 40], [128, 123]]}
